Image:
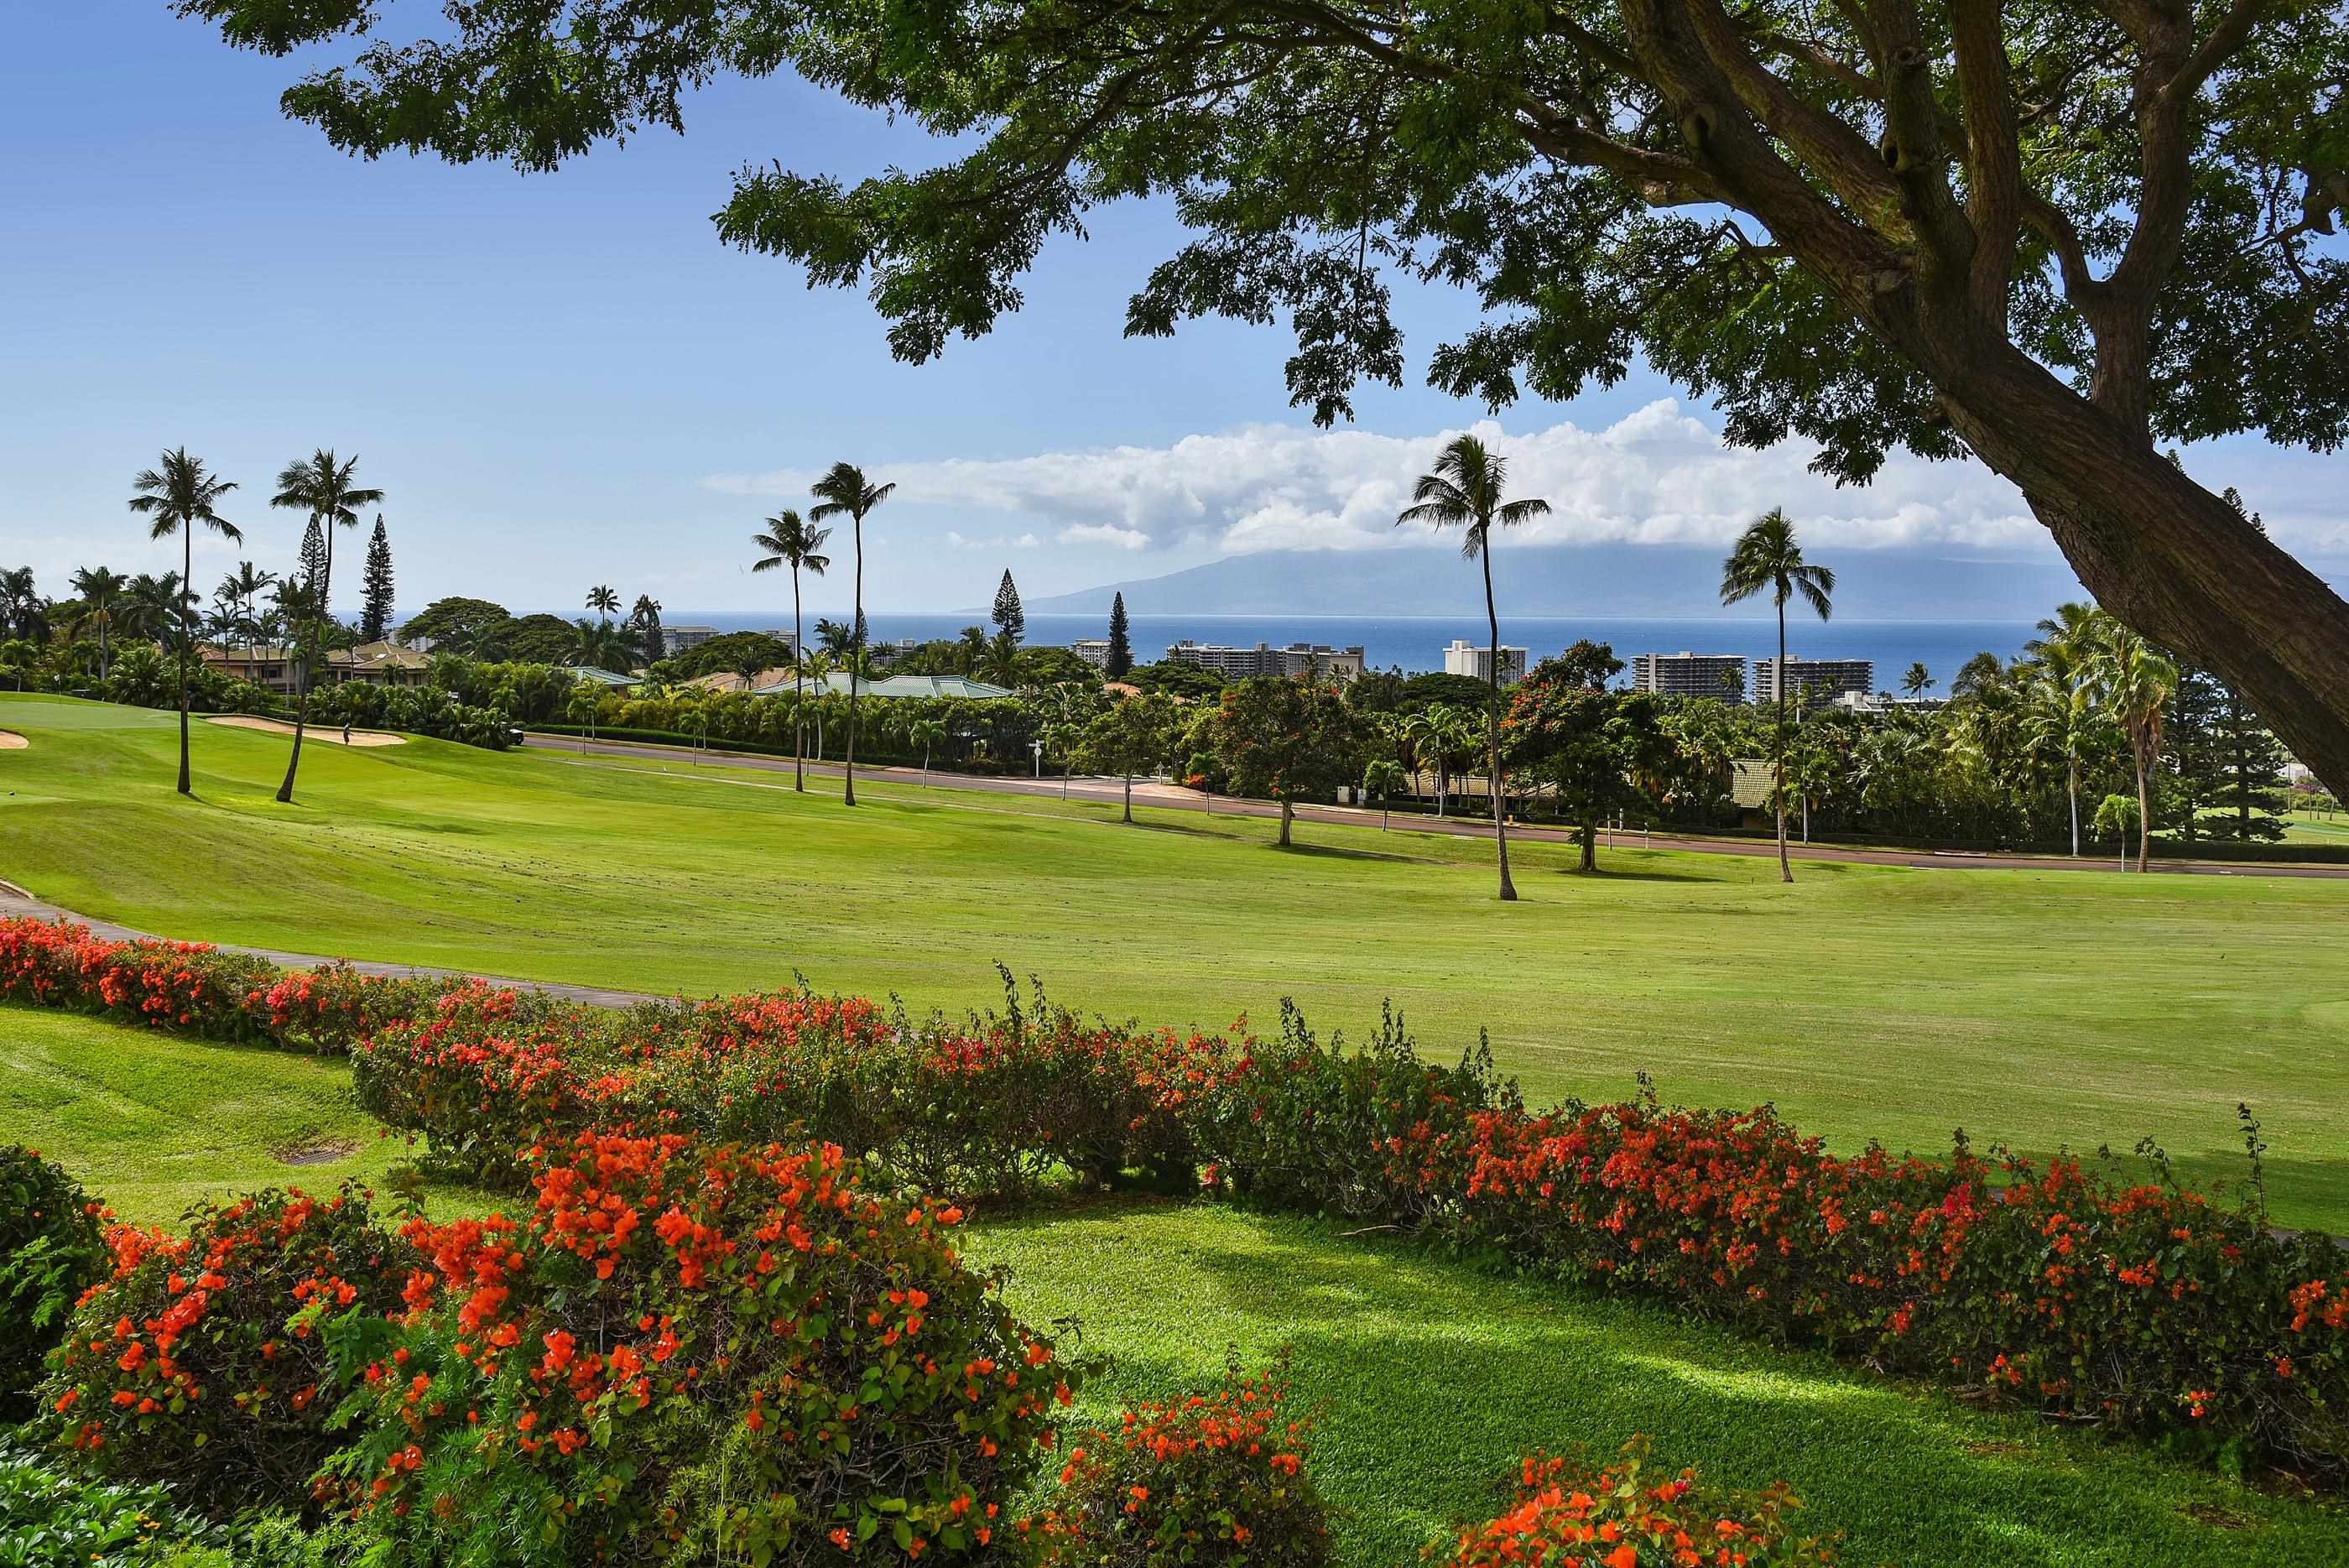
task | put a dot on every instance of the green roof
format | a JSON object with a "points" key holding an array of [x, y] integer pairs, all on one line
{"points": [[896, 686], [602, 676]]}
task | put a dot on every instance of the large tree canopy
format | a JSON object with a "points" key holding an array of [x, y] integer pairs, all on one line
{"points": [[2050, 232]]}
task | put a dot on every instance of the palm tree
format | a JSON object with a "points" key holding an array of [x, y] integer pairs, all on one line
{"points": [[101, 594], [2136, 681], [926, 734], [819, 668], [600, 644], [790, 541], [603, 600], [1003, 658], [644, 619], [319, 485], [1382, 778], [22, 610], [1767, 556], [2060, 721], [970, 650], [181, 497], [1465, 491], [1919, 681], [846, 489]]}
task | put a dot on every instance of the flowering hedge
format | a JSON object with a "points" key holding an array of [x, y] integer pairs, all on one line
{"points": [[1200, 1481], [195, 987], [1571, 1513], [200, 1361], [52, 1248], [712, 1352], [2141, 1307]]}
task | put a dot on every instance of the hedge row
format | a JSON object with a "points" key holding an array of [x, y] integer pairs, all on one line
{"points": [[2141, 1307]]}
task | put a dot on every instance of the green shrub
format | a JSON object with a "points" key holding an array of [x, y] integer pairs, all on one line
{"points": [[49, 1520], [700, 1353], [52, 1249], [201, 1362]]}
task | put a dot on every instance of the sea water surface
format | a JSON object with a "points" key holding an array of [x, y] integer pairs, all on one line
{"points": [[1415, 643]]}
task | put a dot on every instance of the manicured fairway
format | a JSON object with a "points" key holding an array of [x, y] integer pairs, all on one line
{"points": [[2041, 1008], [1431, 1376]]}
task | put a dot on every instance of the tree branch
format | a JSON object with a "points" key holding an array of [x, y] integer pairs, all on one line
{"points": [[1994, 174]]}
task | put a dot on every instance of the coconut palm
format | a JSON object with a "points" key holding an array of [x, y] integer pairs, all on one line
{"points": [[1919, 681], [970, 650], [926, 734], [603, 600], [846, 489], [1003, 658], [791, 541], [182, 496], [2135, 682], [1380, 779], [819, 666], [2062, 720], [1768, 557], [320, 484], [243, 588], [1464, 491], [23, 611], [601, 645], [643, 617], [101, 594]]}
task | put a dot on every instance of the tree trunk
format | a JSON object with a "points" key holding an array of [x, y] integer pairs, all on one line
{"points": [[187, 569], [1589, 839], [2072, 788], [798, 693], [317, 634], [1129, 797], [856, 646], [2172, 560], [2144, 816], [1493, 732], [1778, 795], [1285, 815]]}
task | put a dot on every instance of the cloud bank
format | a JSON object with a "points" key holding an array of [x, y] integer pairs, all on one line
{"points": [[1657, 476]]}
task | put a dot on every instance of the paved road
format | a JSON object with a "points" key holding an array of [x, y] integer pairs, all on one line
{"points": [[1170, 798], [16, 900]]}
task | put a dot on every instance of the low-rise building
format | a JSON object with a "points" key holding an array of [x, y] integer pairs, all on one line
{"points": [[675, 639], [378, 664], [1466, 657], [1298, 659], [1813, 682], [271, 665], [1884, 702], [1684, 674]]}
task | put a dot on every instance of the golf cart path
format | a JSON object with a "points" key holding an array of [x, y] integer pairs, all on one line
{"points": [[16, 901], [1171, 797]]}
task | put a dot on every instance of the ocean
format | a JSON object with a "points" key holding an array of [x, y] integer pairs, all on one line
{"points": [[1414, 643]]}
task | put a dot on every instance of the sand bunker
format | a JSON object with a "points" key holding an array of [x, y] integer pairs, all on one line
{"points": [[12, 741], [332, 735]]}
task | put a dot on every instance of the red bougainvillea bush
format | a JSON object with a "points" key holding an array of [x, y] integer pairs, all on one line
{"points": [[201, 1360], [718, 1353], [1206, 1480], [1572, 1514], [197, 988]]}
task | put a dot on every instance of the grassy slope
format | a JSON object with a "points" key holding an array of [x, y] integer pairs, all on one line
{"points": [[2042, 1008], [1433, 1378]]}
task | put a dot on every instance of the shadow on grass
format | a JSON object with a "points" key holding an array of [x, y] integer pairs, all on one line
{"points": [[1432, 1379], [1333, 852]]}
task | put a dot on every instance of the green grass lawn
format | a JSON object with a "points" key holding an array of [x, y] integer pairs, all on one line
{"points": [[2041, 1008], [1432, 1378]]}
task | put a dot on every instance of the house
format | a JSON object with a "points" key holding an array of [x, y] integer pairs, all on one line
{"points": [[617, 682], [378, 664], [267, 664]]}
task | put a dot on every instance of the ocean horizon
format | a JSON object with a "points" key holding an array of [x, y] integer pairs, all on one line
{"points": [[1416, 643]]}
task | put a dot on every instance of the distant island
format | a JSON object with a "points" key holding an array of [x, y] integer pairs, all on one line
{"points": [[1614, 580]]}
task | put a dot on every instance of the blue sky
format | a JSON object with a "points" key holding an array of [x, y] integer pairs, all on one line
{"points": [[565, 378]]}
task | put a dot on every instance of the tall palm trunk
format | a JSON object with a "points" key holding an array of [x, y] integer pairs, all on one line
{"points": [[1785, 869], [1492, 733], [856, 646], [2072, 788], [799, 691], [318, 637], [2143, 815], [179, 610]]}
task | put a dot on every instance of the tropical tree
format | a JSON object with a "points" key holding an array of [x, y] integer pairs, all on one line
{"points": [[644, 620], [845, 491], [321, 485], [182, 496], [1382, 777], [603, 600], [99, 595], [926, 732], [1003, 658], [19, 657], [1595, 748], [2135, 681], [1768, 557], [791, 541], [601, 644], [2063, 721], [1132, 735], [23, 610], [243, 588], [1283, 739], [1465, 491], [1919, 681], [970, 650]]}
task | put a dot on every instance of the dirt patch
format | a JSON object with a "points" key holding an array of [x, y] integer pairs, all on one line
{"points": [[2212, 1514], [1998, 1449], [332, 735], [325, 1153], [12, 741]]}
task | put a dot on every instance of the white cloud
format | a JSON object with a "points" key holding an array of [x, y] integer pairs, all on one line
{"points": [[1657, 476], [962, 541]]}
